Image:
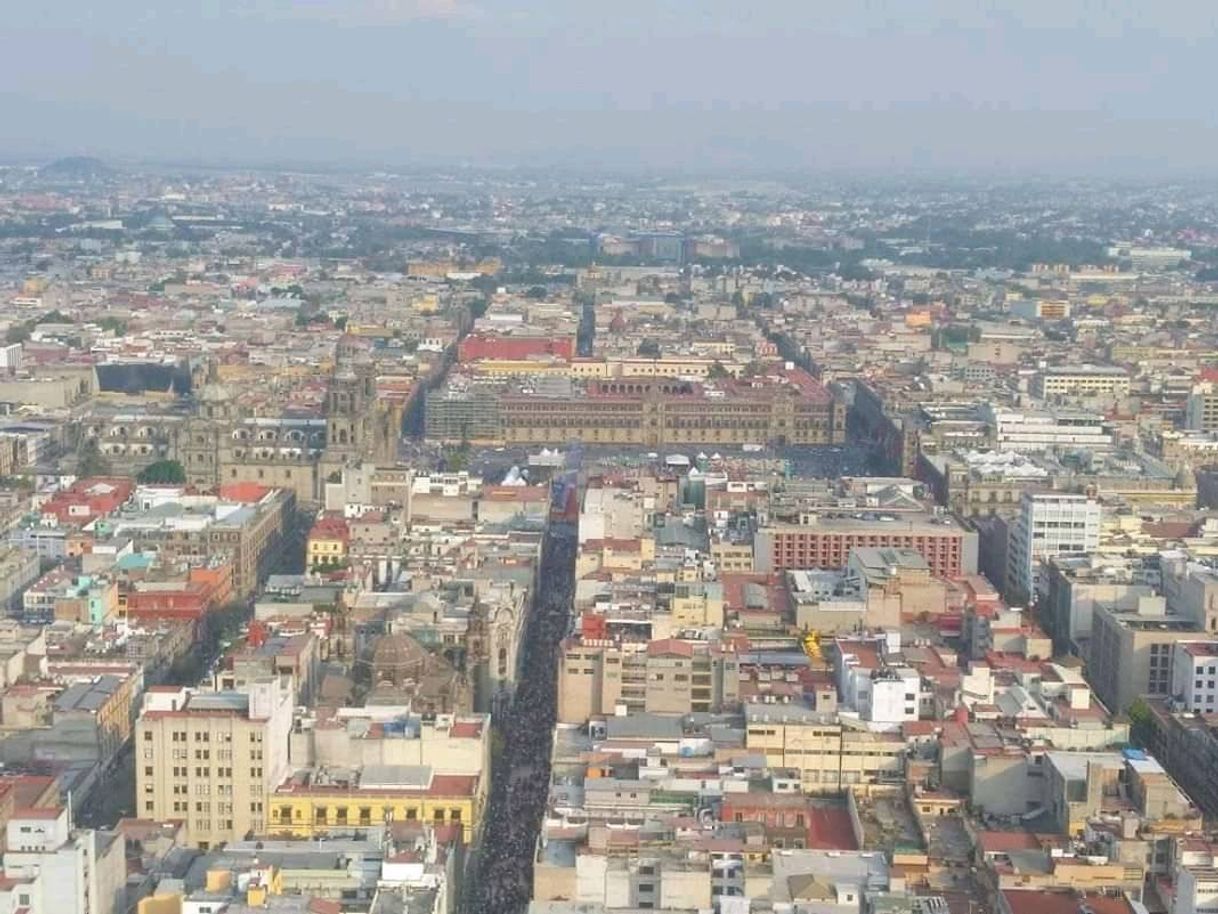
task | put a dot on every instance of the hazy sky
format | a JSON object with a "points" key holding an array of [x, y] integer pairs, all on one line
{"points": [[926, 84]]}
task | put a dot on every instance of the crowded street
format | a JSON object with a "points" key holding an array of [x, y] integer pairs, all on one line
{"points": [[502, 877]]}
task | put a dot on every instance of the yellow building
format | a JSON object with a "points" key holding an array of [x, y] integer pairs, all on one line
{"points": [[426, 304], [664, 367], [506, 368], [327, 542], [615, 555], [698, 604], [730, 556], [829, 755], [320, 801], [212, 759]]}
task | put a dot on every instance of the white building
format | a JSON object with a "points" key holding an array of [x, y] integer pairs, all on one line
{"points": [[1194, 676], [1196, 890], [1019, 430], [1049, 523], [880, 692], [610, 512], [1150, 258], [56, 869], [10, 358]]}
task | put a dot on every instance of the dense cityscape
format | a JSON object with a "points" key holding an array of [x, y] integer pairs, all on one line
{"points": [[481, 541]]}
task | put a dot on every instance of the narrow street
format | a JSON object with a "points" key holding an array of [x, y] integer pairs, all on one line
{"points": [[501, 882]]}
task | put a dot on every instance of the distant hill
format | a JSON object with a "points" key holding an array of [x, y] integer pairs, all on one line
{"points": [[76, 168]]}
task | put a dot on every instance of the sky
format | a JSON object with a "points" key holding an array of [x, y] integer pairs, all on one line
{"points": [[697, 85]]}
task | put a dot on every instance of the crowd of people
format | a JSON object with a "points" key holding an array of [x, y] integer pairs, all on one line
{"points": [[521, 771]]}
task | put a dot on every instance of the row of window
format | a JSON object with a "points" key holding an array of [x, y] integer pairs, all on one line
{"points": [[286, 815]]}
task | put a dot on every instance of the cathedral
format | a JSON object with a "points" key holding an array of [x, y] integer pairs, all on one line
{"points": [[219, 443]]}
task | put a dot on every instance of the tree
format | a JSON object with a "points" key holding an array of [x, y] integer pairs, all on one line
{"points": [[456, 459], [91, 461], [1141, 723], [112, 323], [716, 372], [163, 472]]}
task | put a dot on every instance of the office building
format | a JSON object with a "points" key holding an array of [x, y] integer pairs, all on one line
{"points": [[826, 541], [597, 677], [1130, 656], [1041, 430], [1048, 524], [212, 758], [1079, 583], [1201, 410], [829, 755], [1083, 381]]}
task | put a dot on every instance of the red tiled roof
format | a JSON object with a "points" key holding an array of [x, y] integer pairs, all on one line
{"points": [[670, 646], [1000, 842], [466, 729], [245, 492], [1023, 901]]}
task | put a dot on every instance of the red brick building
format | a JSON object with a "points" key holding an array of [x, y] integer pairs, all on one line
{"points": [[180, 601], [478, 346], [87, 499], [826, 541], [792, 820]]}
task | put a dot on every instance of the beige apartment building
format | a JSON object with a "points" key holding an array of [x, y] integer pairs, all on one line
{"points": [[829, 754], [1083, 381], [731, 556], [668, 676], [212, 759]]}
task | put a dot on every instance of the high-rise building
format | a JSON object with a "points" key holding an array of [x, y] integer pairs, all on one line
{"points": [[1130, 655], [1049, 523], [1201, 411], [212, 758]]}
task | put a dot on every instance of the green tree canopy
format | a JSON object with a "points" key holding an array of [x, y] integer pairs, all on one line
{"points": [[163, 472], [109, 322]]}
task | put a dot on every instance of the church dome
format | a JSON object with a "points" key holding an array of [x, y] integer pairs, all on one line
{"points": [[398, 656]]}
